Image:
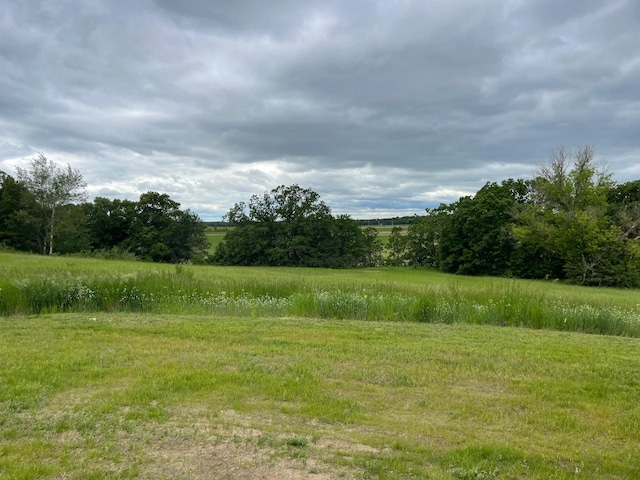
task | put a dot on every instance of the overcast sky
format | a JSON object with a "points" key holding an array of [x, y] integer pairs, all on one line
{"points": [[382, 107]]}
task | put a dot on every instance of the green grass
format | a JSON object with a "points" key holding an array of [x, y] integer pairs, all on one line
{"points": [[386, 229], [384, 232], [116, 369], [121, 395], [31, 284], [215, 235]]}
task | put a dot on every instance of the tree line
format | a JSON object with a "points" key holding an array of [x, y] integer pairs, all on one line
{"points": [[44, 210], [291, 226], [571, 222]]}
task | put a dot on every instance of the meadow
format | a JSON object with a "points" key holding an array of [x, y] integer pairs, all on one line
{"points": [[114, 369], [215, 235], [31, 284]]}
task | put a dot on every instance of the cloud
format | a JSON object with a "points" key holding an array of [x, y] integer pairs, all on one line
{"points": [[383, 107]]}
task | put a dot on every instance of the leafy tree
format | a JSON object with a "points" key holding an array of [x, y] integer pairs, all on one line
{"points": [[161, 232], [110, 222], [397, 247], [531, 259], [569, 217], [476, 239], [291, 226], [153, 228], [624, 208], [19, 216], [52, 188], [424, 235], [565, 186], [72, 231], [372, 251], [346, 244]]}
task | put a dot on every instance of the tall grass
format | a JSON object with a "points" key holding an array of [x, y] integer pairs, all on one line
{"points": [[322, 294]]}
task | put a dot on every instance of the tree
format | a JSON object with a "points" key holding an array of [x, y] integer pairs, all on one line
{"points": [[291, 226], [424, 236], [397, 246], [302, 222], [624, 208], [110, 222], [372, 247], [569, 217], [567, 186], [346, 244], [161, 232], [19, 216], [477, 238], [52, 188], [72, 231]]}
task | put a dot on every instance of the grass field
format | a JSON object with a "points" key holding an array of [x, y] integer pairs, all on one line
{"points": [[215, 237], [235, 384]]}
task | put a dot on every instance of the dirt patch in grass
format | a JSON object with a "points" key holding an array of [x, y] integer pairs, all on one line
{"points": [[231, 461], [225, 448]]}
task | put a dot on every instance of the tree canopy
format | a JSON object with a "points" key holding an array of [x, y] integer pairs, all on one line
{"points": [[291, 226], [571, 221], [20, 217], [52, 188], [46, 203], [569, 216]]}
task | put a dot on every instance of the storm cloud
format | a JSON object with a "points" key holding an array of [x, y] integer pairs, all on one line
{"points": [[384, 108]]}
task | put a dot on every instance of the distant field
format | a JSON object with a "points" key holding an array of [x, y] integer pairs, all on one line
{"points": [[215, 236], [114, 369], [385, 230]]}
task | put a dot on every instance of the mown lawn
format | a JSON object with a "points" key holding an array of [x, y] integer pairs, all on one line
{"points": [[122, 395]]}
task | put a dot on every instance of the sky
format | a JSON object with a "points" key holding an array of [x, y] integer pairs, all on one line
{"points": [[384, 107]]}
